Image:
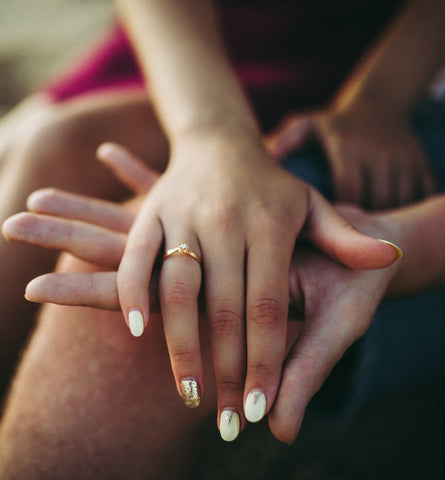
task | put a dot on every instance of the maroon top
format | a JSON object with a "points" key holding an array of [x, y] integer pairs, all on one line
{"points": [[288, 56]]}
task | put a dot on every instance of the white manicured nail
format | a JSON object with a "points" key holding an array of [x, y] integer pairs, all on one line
{"points": [[136, 323], [393, 245], [229, 425], [255, 406]]}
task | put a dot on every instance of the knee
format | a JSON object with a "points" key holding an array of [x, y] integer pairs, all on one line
{"points": [[47, 136], [55, 147]]}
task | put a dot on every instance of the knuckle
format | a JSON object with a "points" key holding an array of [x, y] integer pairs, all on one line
{"points": [[267, 312], [226, 322], [230, 387], [183, 354], [268, 221], [219, 216], [260, 369], [178, 293], [136, 249]]}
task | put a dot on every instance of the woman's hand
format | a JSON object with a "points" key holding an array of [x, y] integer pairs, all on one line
{"points": [[374, 158], [242, 214]]}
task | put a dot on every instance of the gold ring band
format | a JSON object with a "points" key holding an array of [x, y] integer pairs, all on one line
{"points": [[182, 249]]}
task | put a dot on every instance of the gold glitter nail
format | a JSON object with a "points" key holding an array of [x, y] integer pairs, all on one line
{"points": [[190, 393]]}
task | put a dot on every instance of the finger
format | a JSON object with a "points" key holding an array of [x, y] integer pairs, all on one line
{"points": [[403, 183], [288, 137], [379, 193], [347, 176], [86, 289], [325, 337], [426, 182], [87, 242], [131, 171], [224, 286], [133, 279], [50, 201], [97, 290], [267, 304], [415, 169], [179, 286], [334, 236]]}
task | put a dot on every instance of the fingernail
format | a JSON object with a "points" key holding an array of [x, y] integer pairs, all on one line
{"points": [[397, 249], [107, 150], [255, 406], [190, 392], [229, 425], [136, 323]]}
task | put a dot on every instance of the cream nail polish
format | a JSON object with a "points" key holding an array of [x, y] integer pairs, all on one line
{"points": [[190, 392], [397, 249], [229, 425], [255, 406], [136, 323]]}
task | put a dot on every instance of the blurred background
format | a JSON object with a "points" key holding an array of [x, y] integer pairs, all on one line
{"points": [[40, 37]]}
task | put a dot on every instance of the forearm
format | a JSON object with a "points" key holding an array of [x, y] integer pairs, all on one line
{"points": [[182, 55], [395, 71], [421, 234]]}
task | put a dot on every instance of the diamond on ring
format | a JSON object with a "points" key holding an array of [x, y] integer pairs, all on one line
{"points": [[183, 249]]}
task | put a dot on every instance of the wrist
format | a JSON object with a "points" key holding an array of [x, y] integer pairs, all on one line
{"points": [[218, 141], [215, 127]]}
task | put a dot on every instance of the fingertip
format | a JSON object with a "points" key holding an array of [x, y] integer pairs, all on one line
{"points": [[6, 228], [38, 199], [255, 406], [229, 425], [191, 392], [362, 252], [283, 429], [106, 151], [11, 226], [33, 291], [136, 322], [396, 249]]}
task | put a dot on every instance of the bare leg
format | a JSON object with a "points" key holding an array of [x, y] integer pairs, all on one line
{"points": [[90, 401], [54, 145]]}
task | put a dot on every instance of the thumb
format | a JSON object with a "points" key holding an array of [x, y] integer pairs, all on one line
{"points": [[288, 136], [129, 169], [339, 240]]}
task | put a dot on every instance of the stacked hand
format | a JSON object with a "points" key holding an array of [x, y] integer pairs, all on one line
{"points": [[335, 302], [374, 158]]}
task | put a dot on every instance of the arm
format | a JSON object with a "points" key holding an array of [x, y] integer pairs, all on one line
{"points": [[395, 71], [191, 82], [366, 130], [222, 195]]}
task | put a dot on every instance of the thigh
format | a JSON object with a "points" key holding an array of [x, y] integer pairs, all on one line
{"points": [[53, 145], [91, 401]]}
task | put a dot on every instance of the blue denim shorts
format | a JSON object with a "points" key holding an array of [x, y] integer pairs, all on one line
{"points": [[405, 344]]}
